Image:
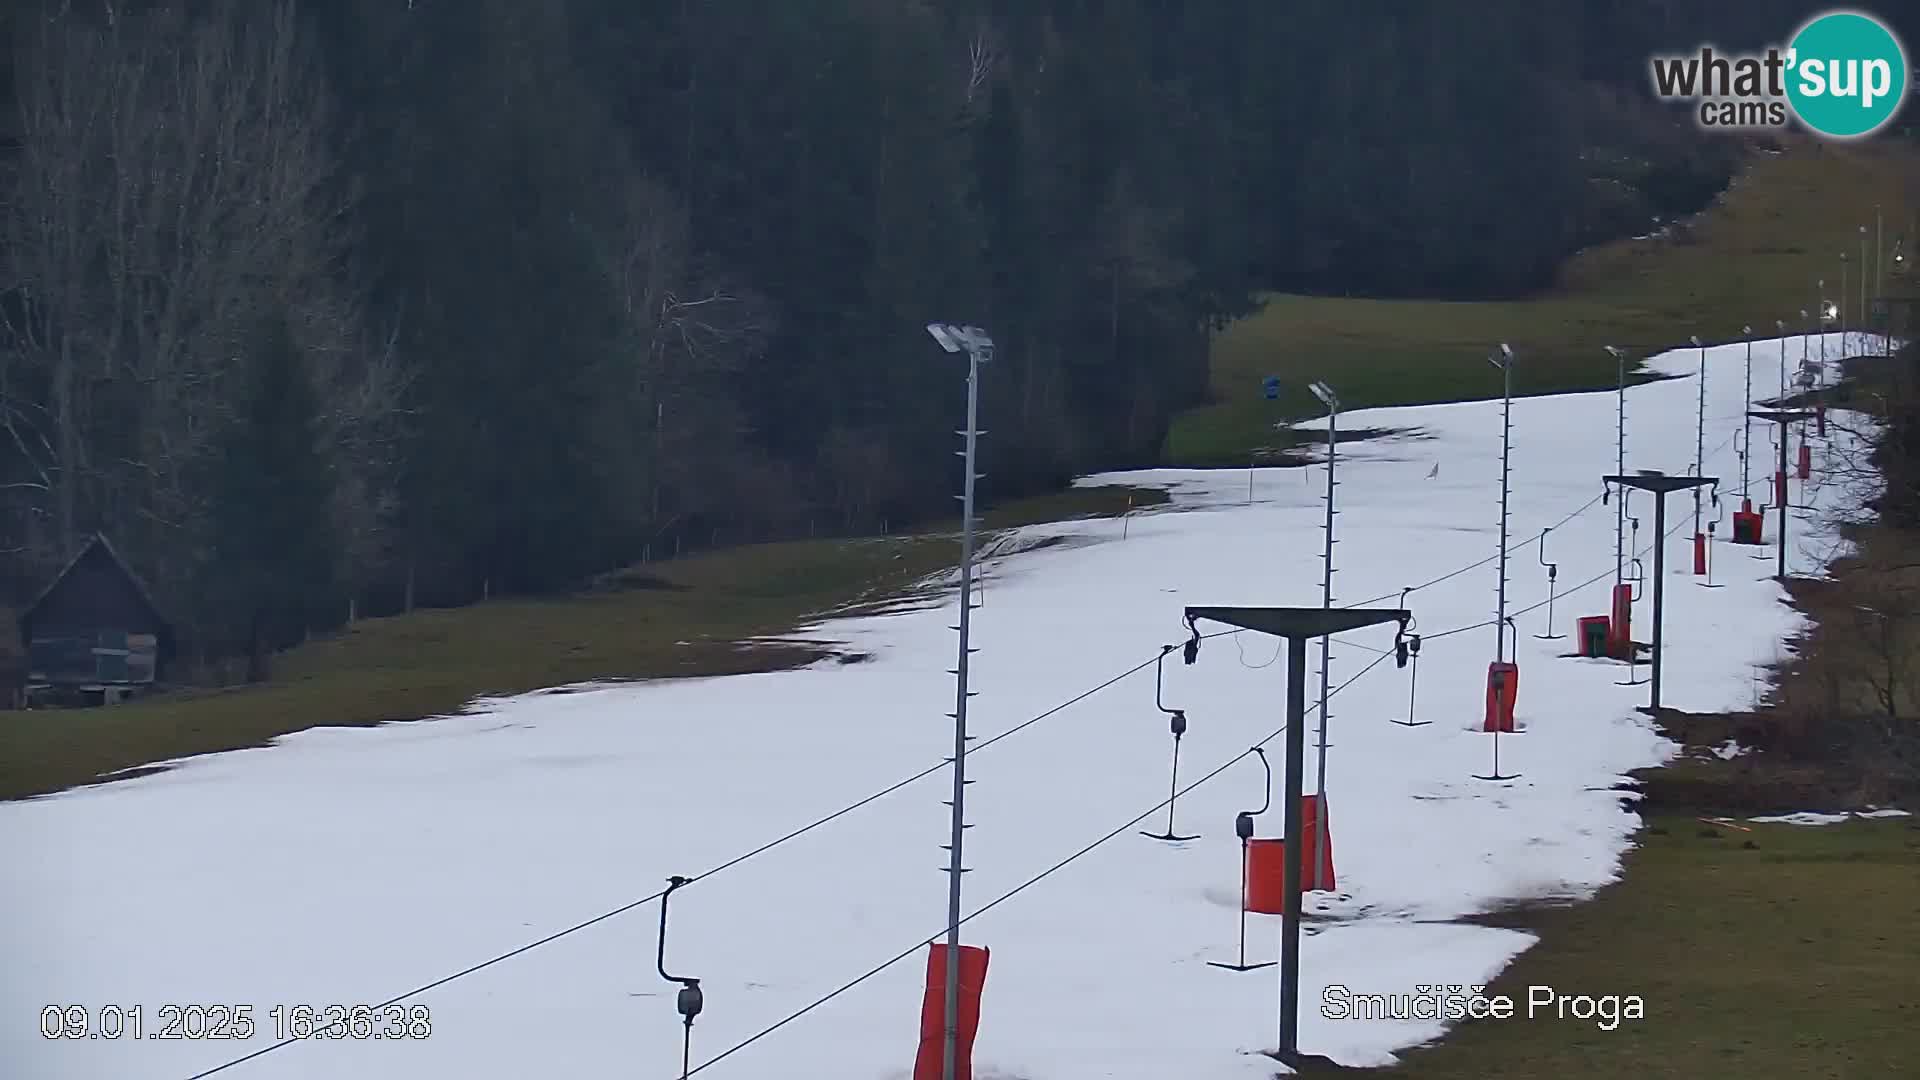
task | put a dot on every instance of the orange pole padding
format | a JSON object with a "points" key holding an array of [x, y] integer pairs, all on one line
{"points": [[930, 1061], [1699, 553], [1503, 686], [1267, 863]]}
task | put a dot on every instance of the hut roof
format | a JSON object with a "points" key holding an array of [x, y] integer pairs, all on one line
{"points": [[100, 542]]}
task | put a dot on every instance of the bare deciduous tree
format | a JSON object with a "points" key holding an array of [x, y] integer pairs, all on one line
{"points": [[175, 182], [683, 328]]}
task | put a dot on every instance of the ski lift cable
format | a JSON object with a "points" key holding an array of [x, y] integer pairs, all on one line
{"points": [[890, 789], [1450, 575], [728, 865], [1563, 595], [1516, 546], [1240, 643], [1017, 889]]}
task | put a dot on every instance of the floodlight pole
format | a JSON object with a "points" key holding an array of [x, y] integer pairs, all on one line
{"points": [[1861, 326], [1620, 454], [1879, 253], [1295, 625], [1841, 317], [1822, 319], [1325, 393], [1700, 435], [1783, 417], [1660, 485], [1503, 359], [1781, 326], [979, 349], [1746, 435], [1806, 345]]}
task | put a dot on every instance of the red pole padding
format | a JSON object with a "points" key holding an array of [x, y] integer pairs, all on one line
{"points": [[1699, 553], [1266, 876], [1806, 461], [1779, 488], [1319, 860], [1620, 629], [930, 1062], [1503, 685], [1820, 418], [1267, 863]]}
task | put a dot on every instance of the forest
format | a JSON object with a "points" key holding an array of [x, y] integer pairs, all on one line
{"points": [[338, 307]]}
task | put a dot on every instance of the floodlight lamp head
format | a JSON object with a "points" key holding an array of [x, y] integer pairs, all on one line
{"points": [[977, 340], [955, 339], [1325, 394], [1747, 330], [1696, 341], [1613, 352], [943, 334], [1501, 356]]}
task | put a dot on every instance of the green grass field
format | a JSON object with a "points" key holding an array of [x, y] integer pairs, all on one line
{"points": [[1749, 260], [681, 618], [1790, 958]]}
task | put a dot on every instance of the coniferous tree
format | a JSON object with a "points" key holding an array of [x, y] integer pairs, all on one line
{"points": [[271, 567]]}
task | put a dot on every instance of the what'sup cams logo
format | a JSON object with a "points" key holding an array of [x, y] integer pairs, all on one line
{"points": [[1843, 75]]}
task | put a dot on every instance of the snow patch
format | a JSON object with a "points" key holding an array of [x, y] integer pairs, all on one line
{"points": [[347, 865]]}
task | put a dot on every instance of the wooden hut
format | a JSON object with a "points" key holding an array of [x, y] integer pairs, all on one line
{"points": [[94, 633]]}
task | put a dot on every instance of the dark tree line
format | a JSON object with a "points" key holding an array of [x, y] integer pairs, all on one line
{"points": [[376, 302]]}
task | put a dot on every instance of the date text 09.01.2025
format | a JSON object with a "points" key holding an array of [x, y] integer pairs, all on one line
{"points": [[212, 1022]]}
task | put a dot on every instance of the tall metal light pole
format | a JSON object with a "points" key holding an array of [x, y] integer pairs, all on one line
{"points": [[1783, 417], [1843, 294], [1879, 262], [1660, 484], [978, 346], [1296, 625], [1829, 312], [1879, 250], [1861, 325], [1327, 397], [1806, 343], [1746, 433], [1699, 435], [1620, 454], [1821, 306], [1781, 326], [1502, 358]]}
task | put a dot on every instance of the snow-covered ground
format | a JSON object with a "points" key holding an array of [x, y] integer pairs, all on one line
{"points": [[1816, 817], [347, 866]]}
